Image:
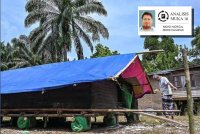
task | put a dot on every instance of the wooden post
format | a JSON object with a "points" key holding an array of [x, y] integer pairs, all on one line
{"points": [[188, 89]]}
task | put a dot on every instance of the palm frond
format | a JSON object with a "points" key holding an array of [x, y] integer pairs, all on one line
{"points": [[95, 27], [83, 35], [58, 4], [32, 5], [38, 15], [19, 63], [93, 7], [39, 33]]}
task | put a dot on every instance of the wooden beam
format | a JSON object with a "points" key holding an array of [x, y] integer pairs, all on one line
{"points": [[48, 115], [83, 110]]}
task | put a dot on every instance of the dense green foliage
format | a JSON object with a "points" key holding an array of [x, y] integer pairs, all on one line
{"points": [[170, 58], [6, 56], [22, 53], [101, 51], [195, 51], [27, 53]]}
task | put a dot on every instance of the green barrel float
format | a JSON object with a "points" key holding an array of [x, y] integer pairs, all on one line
{"points": [[23, 122], [80, 124], [26, 122]]}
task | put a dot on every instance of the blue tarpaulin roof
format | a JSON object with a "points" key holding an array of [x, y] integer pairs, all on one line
{"points": [[48, 76]]}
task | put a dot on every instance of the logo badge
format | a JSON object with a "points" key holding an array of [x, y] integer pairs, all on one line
{"points": [[163, 16]]}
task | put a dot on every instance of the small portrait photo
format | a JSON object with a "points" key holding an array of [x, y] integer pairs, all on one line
{"points": [[146, 20]]}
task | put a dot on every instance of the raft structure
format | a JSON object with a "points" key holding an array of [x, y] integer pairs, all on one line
{"points": [[107, 86]]}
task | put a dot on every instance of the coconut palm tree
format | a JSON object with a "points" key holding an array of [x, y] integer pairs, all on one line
{"points": [[66, 21], [27, 54], [6, 56]]}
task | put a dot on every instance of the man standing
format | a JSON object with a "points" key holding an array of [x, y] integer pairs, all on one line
{"points": [[166, 91], [147, 21]]}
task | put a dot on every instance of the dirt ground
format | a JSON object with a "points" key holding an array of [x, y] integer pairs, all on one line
{"points": [[145, 126]]}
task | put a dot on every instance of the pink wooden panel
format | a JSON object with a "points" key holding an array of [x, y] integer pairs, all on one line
{"points": [[135, 69]]}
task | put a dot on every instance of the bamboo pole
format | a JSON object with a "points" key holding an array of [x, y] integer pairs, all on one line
{"points": [[188, 89], [161, 118], [152, 51]]}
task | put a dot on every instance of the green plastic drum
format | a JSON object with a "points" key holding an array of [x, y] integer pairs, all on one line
{"points": [[80, 124], [23, 122]]}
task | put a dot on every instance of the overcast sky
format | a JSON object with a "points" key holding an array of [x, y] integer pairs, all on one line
{"points": [[122, 22]]}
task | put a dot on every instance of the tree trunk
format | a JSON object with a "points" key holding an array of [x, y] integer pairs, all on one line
{"points": [[65, 52], [189, 94]]}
